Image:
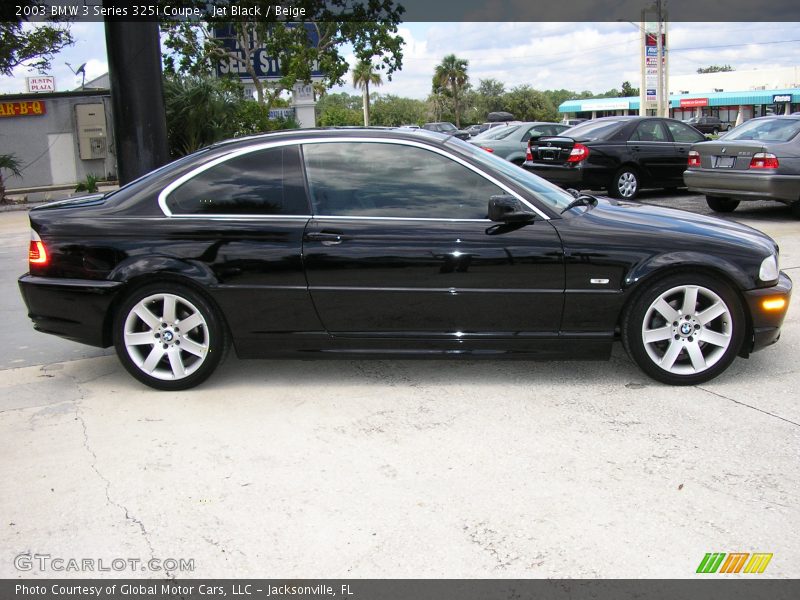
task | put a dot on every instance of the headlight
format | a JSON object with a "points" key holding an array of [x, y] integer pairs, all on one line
{"points": [[769, 269]]}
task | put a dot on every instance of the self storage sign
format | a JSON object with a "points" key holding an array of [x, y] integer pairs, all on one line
{"points": [[23, 108]]}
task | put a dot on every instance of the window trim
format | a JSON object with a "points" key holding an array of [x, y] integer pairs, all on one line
{"points": [[164, 194]]}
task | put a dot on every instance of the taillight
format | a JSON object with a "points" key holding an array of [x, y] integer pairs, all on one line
{"points": [[488, 149], [528, 155], [764, 160], [37, 253], [578, 153], [694, 158]]}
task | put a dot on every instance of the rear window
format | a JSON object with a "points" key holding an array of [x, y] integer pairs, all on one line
{"points": [[765, 130], [594, 130]]}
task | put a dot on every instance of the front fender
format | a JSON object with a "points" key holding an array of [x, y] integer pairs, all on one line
{"points": [[688, 260]]}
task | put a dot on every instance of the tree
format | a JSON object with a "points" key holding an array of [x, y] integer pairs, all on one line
{"points": [[9, 162], [391, 111], [716, 69], [338, 110], [368, 26], [451, 76], [34, 46], [629, 90], [364, 74], [528, 104]]}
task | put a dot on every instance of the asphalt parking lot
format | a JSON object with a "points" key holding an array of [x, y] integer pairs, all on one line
{"points": [[398, 468]]}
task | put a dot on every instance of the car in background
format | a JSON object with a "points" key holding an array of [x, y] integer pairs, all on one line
{"points": [[447, 129], [618, 154], [758, 160], [712, 125], [512, 143], [387, 243], [496, 129], [474, 130]]}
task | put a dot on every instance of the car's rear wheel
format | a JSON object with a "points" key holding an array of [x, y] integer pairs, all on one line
{"points": [[168, 336], [723, 205], [684, 329], [625, 184]]}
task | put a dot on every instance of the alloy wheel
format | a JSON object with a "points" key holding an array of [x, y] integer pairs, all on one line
{"points": [[687, 329], [627, 184], [166, 336]]}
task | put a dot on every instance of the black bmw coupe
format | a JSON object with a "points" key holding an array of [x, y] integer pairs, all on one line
{"points": [[378, 243]]}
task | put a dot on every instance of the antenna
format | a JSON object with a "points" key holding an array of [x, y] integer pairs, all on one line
{"points": [[81, 70]]}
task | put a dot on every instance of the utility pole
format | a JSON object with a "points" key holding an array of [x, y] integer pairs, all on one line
{"points": [[137, 97]]}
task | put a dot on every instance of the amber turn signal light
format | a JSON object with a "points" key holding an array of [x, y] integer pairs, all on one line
{"points": [[773, 303]]}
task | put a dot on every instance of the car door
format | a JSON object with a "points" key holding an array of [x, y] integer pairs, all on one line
{"points": [[683, 137], [653, 151], [399, 246]]}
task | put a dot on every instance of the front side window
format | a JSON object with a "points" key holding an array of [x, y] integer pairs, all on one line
{"points": [[264, 182], [371, 179], [683, 133]]}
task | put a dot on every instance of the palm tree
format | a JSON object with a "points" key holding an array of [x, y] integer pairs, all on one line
{"points": [[10, 162], [364, 74], [451, 75]]}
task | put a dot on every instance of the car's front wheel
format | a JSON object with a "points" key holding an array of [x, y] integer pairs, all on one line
{"points": [[723, 205], [168, 336], [684, 329], [625, 184]]}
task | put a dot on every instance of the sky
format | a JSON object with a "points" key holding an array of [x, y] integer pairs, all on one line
{"points": [[574, 56]]}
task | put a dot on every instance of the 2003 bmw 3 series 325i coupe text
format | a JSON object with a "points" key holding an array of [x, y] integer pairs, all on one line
{"points": [[376, 243]]}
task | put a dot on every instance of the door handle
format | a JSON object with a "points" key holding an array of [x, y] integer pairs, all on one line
{"points": [[681, 149], [327, 238]]}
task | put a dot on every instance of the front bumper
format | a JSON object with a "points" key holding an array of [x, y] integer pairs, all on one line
{"points": [[743, 185], [75, 309], [767, 323]]}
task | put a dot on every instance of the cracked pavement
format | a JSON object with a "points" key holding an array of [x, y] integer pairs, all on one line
{"points": [[397, 468]]}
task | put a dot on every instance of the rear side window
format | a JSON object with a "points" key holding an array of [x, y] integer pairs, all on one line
{"points": [[767, 130], [264, 182], [595, 130], [649, 131]]}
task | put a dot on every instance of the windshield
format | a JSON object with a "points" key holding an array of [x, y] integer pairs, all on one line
{"points": [[549, 193], [447, 127], [593, 130], [765, 130]]}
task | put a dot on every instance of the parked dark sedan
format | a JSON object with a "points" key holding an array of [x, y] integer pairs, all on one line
{"points": [[448, 129], [391, 243], [759, 160], [712, 125], [618, 154]]}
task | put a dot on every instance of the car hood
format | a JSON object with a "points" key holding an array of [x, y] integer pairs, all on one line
{"points": [[670, 228]]}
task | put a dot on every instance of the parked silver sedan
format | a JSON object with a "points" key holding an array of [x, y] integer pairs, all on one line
{"points": [[511, 142], [759, 160]]}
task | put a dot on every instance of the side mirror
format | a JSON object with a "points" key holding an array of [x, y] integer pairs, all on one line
{"points": [[507, 209]]}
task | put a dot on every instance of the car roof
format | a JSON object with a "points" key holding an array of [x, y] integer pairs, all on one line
{"points": [[345, 131]]}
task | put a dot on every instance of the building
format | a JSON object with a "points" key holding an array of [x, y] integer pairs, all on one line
{"points": [[733, 96], [58, 137]]}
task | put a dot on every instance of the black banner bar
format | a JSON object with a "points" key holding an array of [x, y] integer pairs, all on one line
{"points": [[714, 588]]}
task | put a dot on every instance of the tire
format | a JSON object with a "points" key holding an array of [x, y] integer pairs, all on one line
{"points": [[795, 208], [674, 349], [625, 184], [722, 205], [715, 131], [156, 350]]}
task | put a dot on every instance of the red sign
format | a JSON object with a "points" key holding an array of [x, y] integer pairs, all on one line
{"points": [[24, 108], [689, 102]]}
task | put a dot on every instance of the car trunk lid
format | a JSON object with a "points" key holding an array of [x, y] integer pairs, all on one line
{"points": [[730, 156], [551, 149]]}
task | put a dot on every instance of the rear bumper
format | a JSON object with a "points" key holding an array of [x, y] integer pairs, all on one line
{"points": [[767, 323], [744, 185], [75, 309], [579, 175]]}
